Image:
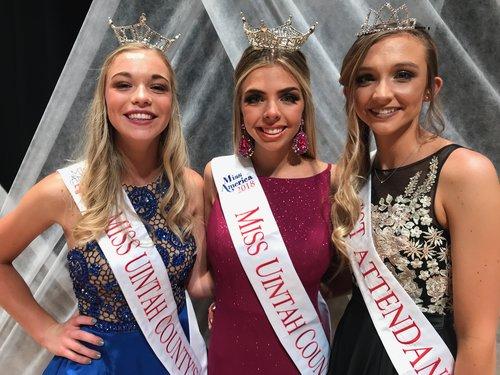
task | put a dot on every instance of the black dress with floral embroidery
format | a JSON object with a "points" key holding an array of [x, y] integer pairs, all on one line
{"points": [[416, 249]]}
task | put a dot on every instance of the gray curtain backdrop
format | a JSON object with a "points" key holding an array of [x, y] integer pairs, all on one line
{"points": [[211, 43]]}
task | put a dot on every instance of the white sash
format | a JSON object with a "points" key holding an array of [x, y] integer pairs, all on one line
{"points": [[143, 279], [412, 343], [264, 257]]}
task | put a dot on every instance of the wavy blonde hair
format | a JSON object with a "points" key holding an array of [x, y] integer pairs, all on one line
{"points": [[101, 182], [353, 168], [293, 62]]}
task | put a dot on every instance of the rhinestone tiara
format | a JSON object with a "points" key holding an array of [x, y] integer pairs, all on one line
{"points": [[387, 18], [284, 37], [142, 33]]}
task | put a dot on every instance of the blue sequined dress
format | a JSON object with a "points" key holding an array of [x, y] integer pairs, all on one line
{"points": [[125, 349]]}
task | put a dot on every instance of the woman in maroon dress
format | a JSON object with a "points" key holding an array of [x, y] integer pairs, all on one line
{"points": [[273, 123]]}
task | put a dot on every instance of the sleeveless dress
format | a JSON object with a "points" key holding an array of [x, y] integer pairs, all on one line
{"points": [[242, 339], [125, 349], [416, 249]]}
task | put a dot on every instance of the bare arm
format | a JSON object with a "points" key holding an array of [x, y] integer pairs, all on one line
{"points": [[470, 194], [43, 205], [200, 282], [209, 191]]}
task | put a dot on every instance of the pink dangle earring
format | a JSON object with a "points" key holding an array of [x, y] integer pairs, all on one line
{"points": [[300, 143], [246, 146]]}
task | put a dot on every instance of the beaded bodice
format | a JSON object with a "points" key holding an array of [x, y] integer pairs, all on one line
{"points": [[95, 286], [407, 235]]}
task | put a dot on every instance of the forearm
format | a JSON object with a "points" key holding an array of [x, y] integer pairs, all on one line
{"points": [[17, 300], [475, 356], [201, 285]]}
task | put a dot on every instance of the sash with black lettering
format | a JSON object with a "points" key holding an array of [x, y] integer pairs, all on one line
{"points": [[411, 342], [143, 279], [267, 264]]}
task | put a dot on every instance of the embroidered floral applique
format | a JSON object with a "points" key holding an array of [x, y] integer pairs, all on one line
{"points": [[412, 246]]}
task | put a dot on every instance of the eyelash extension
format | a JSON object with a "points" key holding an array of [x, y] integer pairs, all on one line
{"points": [[252, 98], [159, 87], [255, 98], [121, 84], [292, 98], [363, 79], [407, 74], [401, 74]]}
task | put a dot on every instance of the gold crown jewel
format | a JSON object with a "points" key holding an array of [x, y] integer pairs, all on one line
{"points": [[142, 33], [284, 37], [387, 18]]}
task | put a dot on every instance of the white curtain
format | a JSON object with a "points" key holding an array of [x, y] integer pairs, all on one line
{"points": [[211, 43], [3, 195]]}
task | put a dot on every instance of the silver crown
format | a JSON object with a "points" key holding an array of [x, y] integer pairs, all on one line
{"points": [[387, 18], [284, 37], [142, 33]]}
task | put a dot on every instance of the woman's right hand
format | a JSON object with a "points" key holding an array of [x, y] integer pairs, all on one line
{"points": [[67, 340]]}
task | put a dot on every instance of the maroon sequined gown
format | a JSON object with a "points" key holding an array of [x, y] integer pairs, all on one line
{"points": [[242, 340]]}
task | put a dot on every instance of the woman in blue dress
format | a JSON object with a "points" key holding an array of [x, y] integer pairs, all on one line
{"points": [[134, 143]]}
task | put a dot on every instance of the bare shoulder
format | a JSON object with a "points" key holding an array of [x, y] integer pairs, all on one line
{"points": [[324, 165], [46, 203], [468, 181], [193, 179], [51, 193], [207, 173], [466, 167], [209, 184], [209, 189]]}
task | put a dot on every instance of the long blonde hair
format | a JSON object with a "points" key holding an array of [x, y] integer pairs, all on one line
{"points": [[101, 182], [293, 62], [354, 166]]}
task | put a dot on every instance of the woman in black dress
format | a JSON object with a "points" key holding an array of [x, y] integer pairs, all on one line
{"points": [[433, 217]]}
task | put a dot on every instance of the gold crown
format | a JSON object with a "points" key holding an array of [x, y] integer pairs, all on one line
{"points": [[142, 33], [284, 37], [387, 18]]}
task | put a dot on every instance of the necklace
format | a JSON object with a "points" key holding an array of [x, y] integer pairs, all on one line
{"points": [[138, 181], [382, 180]]}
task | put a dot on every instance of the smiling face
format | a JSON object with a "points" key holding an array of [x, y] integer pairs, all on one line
{"points": [[392, 83], [272, 107], [138, 95]]}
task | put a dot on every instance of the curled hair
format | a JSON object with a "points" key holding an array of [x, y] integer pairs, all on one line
{"points": [[293, 62], [353, 168], [101, 182]]}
